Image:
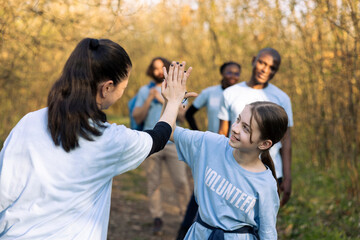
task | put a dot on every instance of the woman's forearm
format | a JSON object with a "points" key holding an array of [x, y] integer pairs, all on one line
{"points": [[169, 113]]}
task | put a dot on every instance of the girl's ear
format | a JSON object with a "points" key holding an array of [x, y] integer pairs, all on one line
{"points": [[265, 144]]}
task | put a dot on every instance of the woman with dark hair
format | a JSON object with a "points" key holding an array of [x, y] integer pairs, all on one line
{"points": [[57, 164]]}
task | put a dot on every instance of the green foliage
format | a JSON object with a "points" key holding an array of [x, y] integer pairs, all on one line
{"points": [[319, 207]]}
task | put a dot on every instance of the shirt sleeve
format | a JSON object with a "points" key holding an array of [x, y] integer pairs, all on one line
{"points": [[224, 111], [126, 148], [268, 209], [188, 143], [160, 136], [201, 100]]}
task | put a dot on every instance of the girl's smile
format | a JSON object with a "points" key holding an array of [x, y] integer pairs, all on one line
{"points": [[233, 138]]}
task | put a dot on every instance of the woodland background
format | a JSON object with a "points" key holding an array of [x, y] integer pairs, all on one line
{"points": [[319, 41]]}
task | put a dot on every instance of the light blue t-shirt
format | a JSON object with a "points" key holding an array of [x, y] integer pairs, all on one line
{"points": [[237, 96], [229, 196], [154, 110], [211, 98]]}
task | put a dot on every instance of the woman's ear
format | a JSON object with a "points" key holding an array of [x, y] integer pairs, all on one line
{"points": [[105, 88], [265, 144]]}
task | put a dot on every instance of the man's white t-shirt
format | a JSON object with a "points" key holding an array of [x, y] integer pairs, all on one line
{"points": [[211, 98], [237, 96], [47, 193]]}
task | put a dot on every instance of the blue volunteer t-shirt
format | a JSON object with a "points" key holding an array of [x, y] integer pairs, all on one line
{"points": [[229, 196], [211, 98], [154, 112]]}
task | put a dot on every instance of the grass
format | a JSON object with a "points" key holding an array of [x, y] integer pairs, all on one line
{"points": [[320, 207]]}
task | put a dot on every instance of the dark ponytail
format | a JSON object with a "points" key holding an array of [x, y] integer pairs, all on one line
{"points": [[72, 108], [273, 122], [267, 160]]}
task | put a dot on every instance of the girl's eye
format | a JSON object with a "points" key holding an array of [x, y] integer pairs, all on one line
{"points": [[246, 129], [238, 119]]}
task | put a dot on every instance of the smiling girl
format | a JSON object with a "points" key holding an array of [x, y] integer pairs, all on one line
{"points": [[235, 188]]}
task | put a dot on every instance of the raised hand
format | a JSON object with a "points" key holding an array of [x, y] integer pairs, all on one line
{"points": [[173, 89], [174, 86]]}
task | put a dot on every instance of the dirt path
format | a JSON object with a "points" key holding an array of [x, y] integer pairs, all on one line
{"points": [[130, 218]]}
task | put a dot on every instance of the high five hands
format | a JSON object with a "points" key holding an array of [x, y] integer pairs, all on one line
{"points": [[174, 84]]}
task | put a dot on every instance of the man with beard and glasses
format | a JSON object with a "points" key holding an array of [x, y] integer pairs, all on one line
{"points": [[147, 110]]}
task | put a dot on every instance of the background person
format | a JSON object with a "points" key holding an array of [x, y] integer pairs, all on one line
{"points": [[57, 164], [264, 67], [147, 109]]}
